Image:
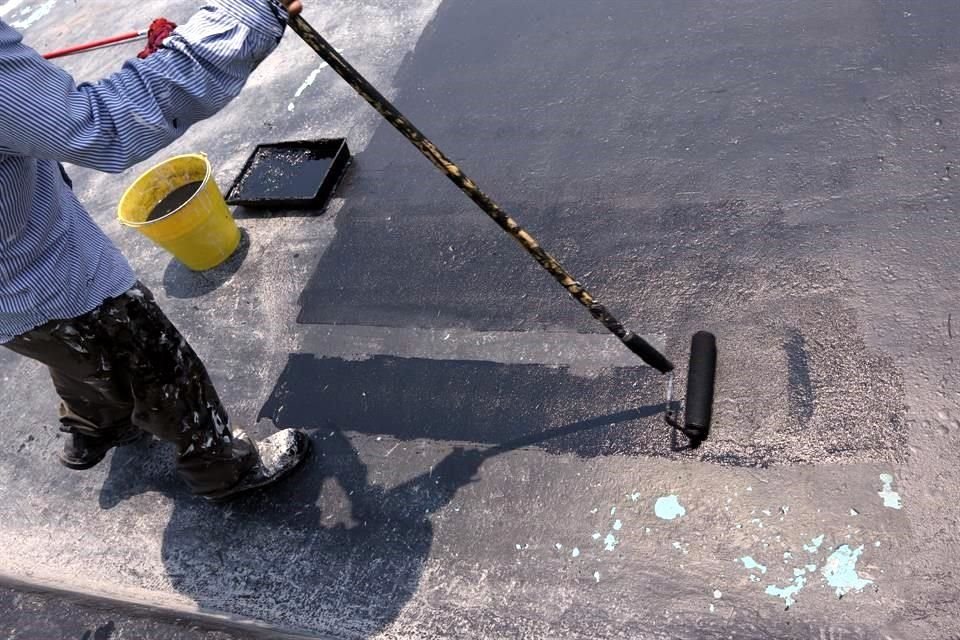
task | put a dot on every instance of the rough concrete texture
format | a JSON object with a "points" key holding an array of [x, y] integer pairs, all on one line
{"points": [[779, 173]]}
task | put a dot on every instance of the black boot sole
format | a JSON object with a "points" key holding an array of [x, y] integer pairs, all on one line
{"points": [[82, 464]]}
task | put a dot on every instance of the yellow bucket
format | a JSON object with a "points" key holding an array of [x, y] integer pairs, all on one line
{"points": [[199, 231]]}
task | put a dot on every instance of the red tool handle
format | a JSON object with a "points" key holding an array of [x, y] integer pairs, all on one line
{"points": [[132, 35]]}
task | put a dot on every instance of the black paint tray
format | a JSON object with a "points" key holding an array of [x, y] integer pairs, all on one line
{"points": [[291, 175]]}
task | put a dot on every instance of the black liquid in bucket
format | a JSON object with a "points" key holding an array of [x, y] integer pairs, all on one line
{"points": [[175, 200]]}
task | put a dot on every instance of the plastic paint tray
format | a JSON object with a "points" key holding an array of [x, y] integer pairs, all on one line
{"points": [[291, 175]]}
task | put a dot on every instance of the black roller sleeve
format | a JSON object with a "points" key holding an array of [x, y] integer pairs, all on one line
{"points": [[700, 382]]}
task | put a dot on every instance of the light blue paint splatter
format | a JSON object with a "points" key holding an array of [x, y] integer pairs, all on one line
{"points": [[575, 553], [669, 508], [610, 542], [840, 570], [814, 544], [750, 563], [890, 497], [617, 525], [787, 593], [811, 568]]}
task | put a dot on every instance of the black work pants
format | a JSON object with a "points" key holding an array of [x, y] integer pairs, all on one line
{"points": [[124, 364]]}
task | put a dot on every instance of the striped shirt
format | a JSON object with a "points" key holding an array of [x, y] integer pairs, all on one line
{"points": [[55, 262]]}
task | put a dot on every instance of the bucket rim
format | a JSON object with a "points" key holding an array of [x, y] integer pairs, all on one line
{"points": [[206, 179]]}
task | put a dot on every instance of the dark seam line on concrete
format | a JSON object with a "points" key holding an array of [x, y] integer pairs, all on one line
{"points": [[209, 619]]}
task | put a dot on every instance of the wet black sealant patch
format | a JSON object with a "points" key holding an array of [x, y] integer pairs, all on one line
{"points": [[659, 167], [483, 403], [616, 412]]}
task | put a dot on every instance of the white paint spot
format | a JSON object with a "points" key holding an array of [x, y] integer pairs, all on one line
{"points": [[596, 576], [669, 508], [890, 497], [634, 496], [613, 510], [717, 594], [28, 16], [306, 85], [558, 546], [750, 563], [814, 544], [787, 555], [617, 525], [596, 535], [787, 593], [518, 547], [712, 608], [840, 570], [854, 512], [610, 542], [575, 553]]}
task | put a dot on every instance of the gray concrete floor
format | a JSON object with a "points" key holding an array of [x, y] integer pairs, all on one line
{"points": [[488, 466]]}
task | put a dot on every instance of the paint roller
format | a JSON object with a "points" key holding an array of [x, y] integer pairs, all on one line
{"points": [[703, 354]]}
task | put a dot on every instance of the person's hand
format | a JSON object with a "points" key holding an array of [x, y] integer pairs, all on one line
{"points": [[294, 7]]}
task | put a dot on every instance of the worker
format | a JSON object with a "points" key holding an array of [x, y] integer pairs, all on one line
{"points": [[68, 297]]}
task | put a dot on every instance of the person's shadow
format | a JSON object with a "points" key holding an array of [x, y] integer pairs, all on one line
{"points": [[306, 556], [347, 561]]}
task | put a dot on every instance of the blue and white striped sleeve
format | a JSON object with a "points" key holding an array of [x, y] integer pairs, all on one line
{"points": [[114, 123]]}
